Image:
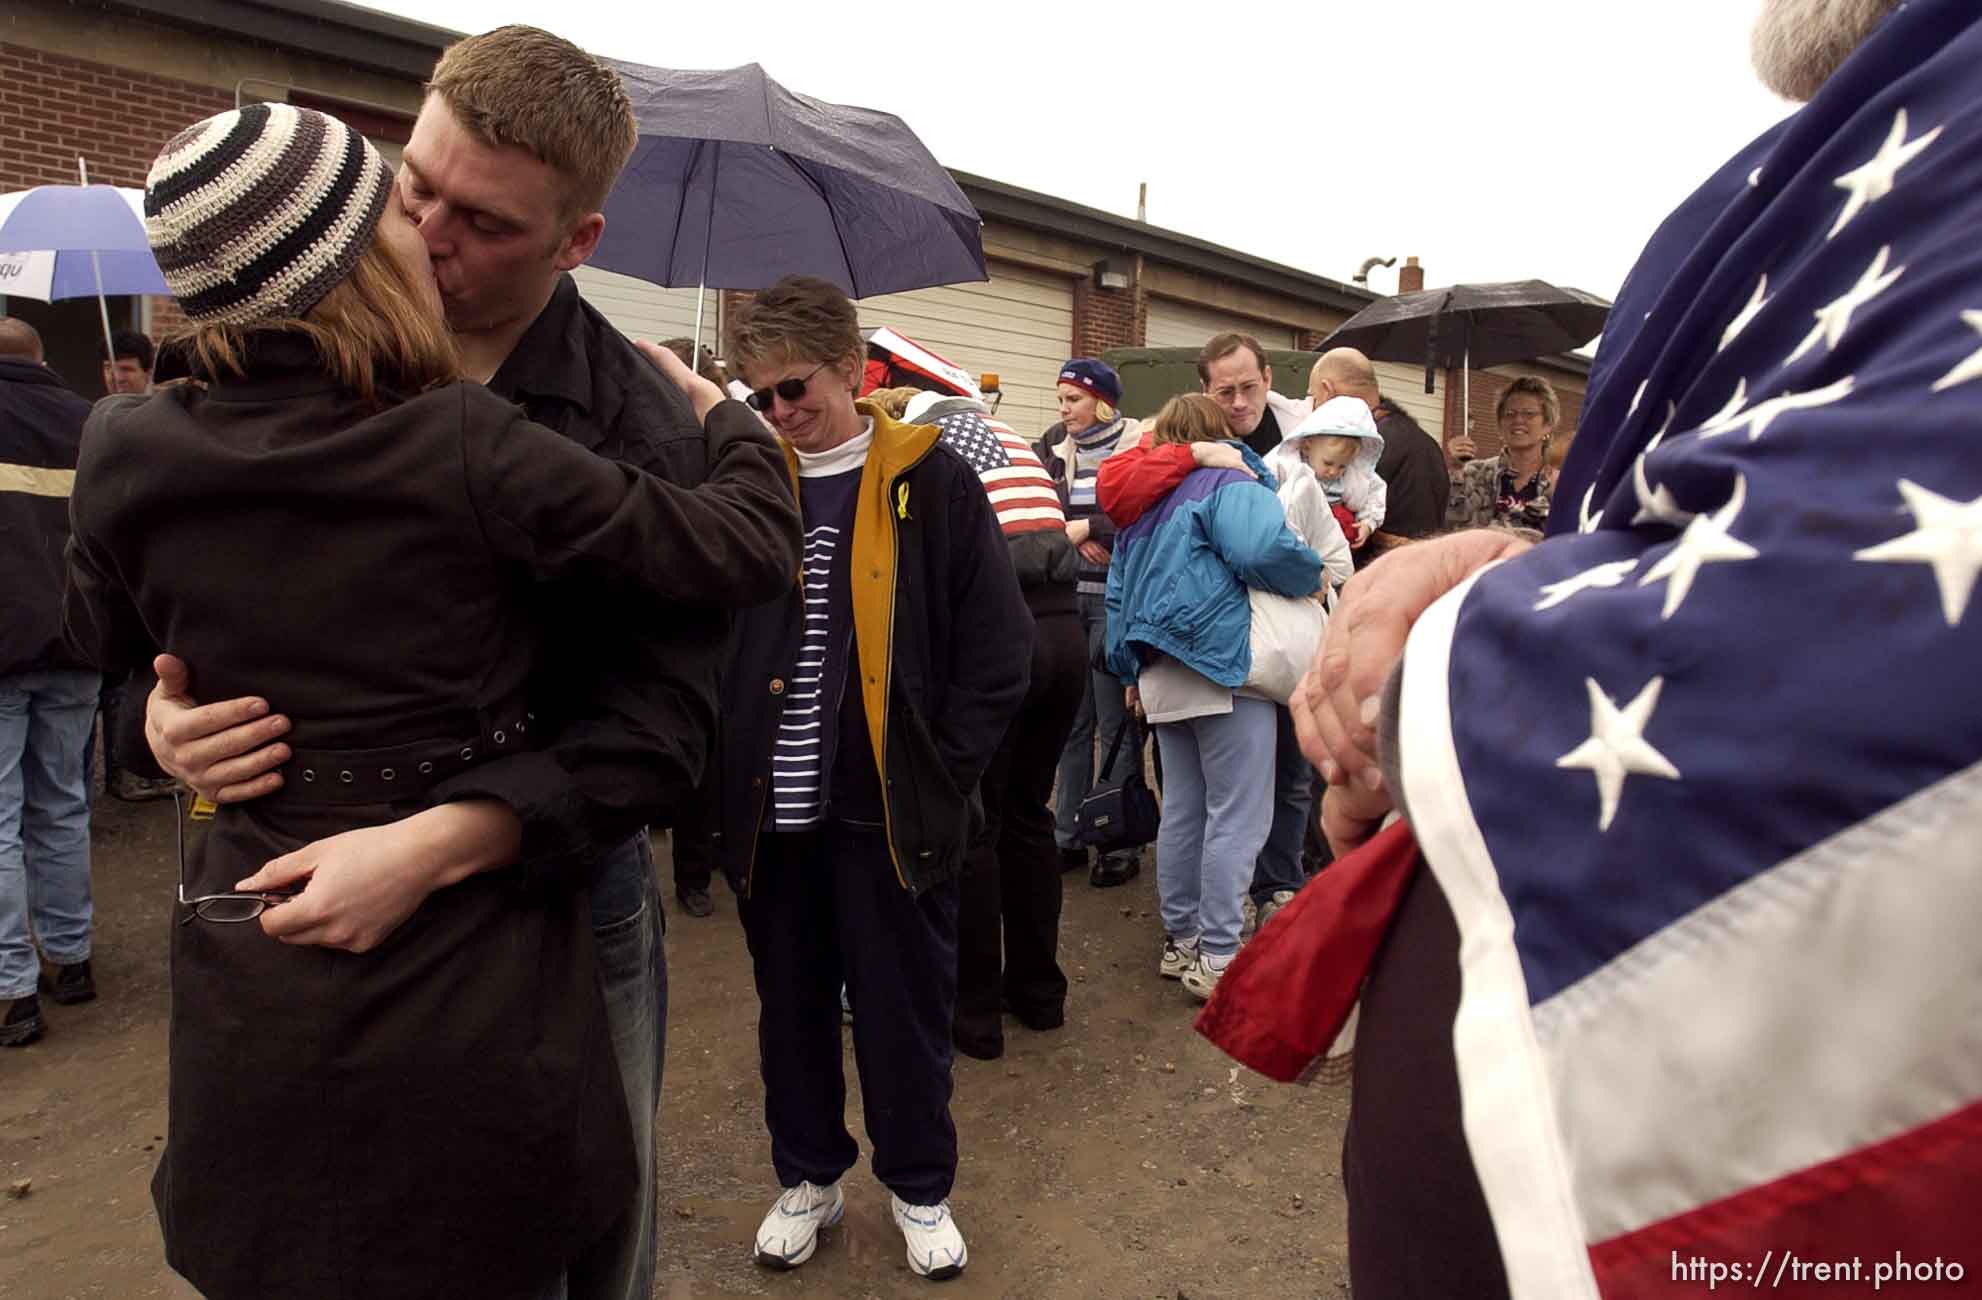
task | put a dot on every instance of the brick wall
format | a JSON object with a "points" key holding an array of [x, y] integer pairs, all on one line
{"points": [[53, 108], [1107, 318]]}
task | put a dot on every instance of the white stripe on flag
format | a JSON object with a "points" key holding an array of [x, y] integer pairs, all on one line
{"points": [[1831, 1002], [1503, 1081]]}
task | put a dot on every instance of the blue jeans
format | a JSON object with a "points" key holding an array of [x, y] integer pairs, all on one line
{"points": [[1217, 797], [1100, 713], [1279, 864], [633, 975], [45, 721]]}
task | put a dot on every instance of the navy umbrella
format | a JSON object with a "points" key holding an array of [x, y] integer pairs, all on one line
{"points": [[737, 181]]}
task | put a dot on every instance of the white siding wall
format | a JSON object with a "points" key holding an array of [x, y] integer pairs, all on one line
{"points": [[1018, 325], [1175, 324], [647, 311], [1405, 385]]}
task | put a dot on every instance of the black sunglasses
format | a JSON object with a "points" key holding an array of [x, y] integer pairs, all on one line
{"points": [[789, 389]]}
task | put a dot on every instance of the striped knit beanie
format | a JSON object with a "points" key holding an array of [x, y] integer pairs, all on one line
{"points": [[256, 214]]}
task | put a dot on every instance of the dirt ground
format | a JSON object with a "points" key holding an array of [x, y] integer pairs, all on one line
{"points": [[1119, 1156]]}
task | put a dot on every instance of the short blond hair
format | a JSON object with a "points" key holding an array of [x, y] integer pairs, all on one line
{"points": [[800, 318], [523, 87], [893, 400], [373, 331], [1539, 389], [1190, 417]]}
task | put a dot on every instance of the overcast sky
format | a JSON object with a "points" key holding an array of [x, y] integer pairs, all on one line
{"points": [[1541, 138]]}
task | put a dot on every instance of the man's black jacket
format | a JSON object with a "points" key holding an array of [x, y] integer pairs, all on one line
{"points": [[41, 427]]}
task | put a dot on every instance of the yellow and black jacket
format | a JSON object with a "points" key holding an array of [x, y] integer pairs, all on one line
{"points": [[942, 649]]}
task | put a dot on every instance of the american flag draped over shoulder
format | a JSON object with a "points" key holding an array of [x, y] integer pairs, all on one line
{"points": [[1021, 491], [1701, 775]]}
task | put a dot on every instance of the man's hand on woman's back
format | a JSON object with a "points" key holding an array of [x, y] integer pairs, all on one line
{"points": [[227, 752]]}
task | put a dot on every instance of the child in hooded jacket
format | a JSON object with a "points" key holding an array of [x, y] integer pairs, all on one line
{"points": [[1336, 448]]}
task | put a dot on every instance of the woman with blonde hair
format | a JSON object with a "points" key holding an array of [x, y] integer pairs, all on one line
{"points": [[1511, 490], [1091, 429], [381, 1083], [1180, 637]]}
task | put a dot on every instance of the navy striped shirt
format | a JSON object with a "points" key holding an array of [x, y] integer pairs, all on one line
{"points": [[802, 751]]}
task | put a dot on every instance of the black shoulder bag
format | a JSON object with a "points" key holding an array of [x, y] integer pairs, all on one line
{"points": [[1122, 816]]}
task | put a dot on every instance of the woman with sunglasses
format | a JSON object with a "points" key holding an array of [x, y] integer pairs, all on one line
{"points": [[861, 710], [381, 1084]]}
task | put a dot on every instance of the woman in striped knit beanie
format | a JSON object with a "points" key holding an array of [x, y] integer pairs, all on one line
{"points": [[380, 1085]]}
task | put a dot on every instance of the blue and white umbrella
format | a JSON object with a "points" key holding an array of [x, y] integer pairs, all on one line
{"points": [[51, 276], [74, 241]]}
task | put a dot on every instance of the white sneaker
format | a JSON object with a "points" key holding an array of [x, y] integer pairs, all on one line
{"points": [[935, 1247], [1178, 957], [1280, 899], [790, 1232], [1203, 977]]}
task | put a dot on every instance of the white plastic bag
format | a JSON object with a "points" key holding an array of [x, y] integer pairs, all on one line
{"points": [[1286, 632]]}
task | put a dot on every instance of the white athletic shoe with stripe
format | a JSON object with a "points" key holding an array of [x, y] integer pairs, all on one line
{"points": [[790, 1232], [935, 1247]]}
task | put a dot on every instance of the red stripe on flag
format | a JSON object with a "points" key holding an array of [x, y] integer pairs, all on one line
{"points": [[1908, 1203]]}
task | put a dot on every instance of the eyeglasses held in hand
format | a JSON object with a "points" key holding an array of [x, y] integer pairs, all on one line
{"points": [[222, 909], [789, 389]]}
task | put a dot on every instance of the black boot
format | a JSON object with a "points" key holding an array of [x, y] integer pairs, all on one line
{"points": [[1113, 869], [71, 984], [22, 1024]]}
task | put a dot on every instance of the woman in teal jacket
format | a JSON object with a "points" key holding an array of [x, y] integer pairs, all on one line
{"points": [[1180, 635]]}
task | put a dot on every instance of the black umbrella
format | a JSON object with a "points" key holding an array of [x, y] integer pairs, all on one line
{"points": [[1469, 325]]}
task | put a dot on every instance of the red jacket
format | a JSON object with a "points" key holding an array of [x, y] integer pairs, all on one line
{"points": [[1136, 478]]}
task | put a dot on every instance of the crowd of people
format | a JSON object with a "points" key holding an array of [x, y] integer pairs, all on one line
{"points": [[891, 667]]}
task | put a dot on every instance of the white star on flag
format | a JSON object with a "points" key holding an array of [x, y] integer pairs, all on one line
{"points": [[1585, 521], [1603, 575], [1733, 407], [1948, 536], [1636, 398], [1705, 541], [1834, 318], [1759, 417], [1969, 369], [1874, 180], [1756, 302], [1655, 505], [1617, 747]]}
